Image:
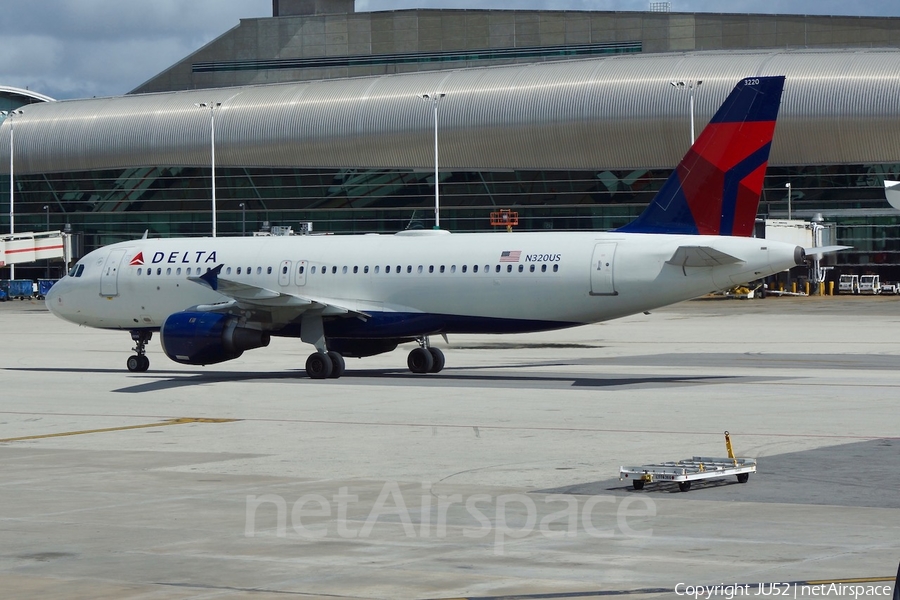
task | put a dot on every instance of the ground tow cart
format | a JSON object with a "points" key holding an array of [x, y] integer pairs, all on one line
{"points": [[685, 471]]}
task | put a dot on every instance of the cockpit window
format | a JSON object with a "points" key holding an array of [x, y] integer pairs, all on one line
{"points": [[77, 270]]}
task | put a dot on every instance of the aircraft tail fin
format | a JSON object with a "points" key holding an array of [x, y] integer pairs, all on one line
{"points": [[716, 187]]}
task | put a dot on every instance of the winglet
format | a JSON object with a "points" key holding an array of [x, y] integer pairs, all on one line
{"points": [[715, 189], [210, 278]]}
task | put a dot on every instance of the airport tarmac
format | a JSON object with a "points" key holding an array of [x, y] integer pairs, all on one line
{"points": [[497, 478]]}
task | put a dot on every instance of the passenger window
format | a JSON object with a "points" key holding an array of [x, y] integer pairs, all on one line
{"points": [[497, 269], [301, 269], [168, 270], [227, 271], [464, 268], [431, 268], [409, 268], [334, 270], [487, 268], [284, 270], [453, 268], [442, 268], [366, 269], [509, 268], [521, 268], [420, 269], [531, 268], [376, 269], [355, 270], [555, 268], [543, 268], [344, 270], [269, 271], [474, 268], [387, 269], [259, 270], [398, 269], [312, 270], [159, 270], [72, 274]]}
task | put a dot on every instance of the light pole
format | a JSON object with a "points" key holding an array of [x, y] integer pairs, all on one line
{"points": [[212, 106], [47, 212], [10, 116], [788, 186], [435, 99], [690, 84], [243, 218]]}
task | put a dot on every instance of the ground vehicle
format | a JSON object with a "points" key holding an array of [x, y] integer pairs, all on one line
{"points": [[849, 284], [869, 284], [890, 288]]}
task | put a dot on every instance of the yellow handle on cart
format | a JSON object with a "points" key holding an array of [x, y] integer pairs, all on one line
{"points": [[729, 448]]}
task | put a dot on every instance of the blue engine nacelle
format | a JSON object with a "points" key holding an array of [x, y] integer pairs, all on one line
{"points": [[202, 338]]}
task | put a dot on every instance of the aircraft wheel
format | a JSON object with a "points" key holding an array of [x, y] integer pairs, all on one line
{"points": [[145, 364], [134, 363], [319, 365], [438, 360], [420, 360], [337, 364]]}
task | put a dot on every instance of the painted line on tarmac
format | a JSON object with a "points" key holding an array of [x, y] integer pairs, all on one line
{"points": [[483, 427], [180, 421]]}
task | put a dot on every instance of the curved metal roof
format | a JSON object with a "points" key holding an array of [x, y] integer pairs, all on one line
{"points": [[25, 96], [839, 106]]}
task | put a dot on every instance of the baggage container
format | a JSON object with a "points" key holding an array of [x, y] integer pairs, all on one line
{"points": [[43, 286]]}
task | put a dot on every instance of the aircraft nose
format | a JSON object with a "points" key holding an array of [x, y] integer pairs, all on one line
{"points": [[54, 299]]}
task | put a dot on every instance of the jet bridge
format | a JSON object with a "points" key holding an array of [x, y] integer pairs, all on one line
{"points": [[27, 247]]}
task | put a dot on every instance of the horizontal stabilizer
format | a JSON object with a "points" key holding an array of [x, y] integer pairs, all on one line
{"points": [[823, 250], [700, 256]]}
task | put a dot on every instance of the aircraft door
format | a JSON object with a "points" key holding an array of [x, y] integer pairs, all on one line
{"points": [[284, 273], [109, 278], [602, 274], [300, 272]]}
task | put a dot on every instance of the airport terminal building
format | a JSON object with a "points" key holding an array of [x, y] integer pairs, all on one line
{"points": [[573, 119]]}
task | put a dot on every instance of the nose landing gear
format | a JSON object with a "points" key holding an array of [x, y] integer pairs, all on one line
{"points": [[139, 363]]}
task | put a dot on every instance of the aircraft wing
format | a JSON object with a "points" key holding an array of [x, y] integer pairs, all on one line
{"points": [[700, 256], [259, 299]]}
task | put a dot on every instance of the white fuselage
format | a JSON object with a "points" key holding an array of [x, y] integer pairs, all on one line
{"points": [[488, 283]]}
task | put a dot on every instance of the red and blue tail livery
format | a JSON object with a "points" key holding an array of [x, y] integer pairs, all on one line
{"points": [[716, 187]]}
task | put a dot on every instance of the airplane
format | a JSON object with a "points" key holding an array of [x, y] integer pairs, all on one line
{"points": [[211, 299]]}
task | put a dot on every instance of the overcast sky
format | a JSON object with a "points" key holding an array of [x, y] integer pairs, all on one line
{"points": [[86, 48]]}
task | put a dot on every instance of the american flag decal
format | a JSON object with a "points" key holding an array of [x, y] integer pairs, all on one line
{"points": [[510, 256]]}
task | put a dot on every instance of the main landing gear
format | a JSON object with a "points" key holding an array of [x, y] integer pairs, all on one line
{"points": [[330, 364], [139, 363], [425, 358], [324, 365]]}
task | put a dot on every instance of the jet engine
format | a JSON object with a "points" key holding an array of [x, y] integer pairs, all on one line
{"points": [[203, 338]]}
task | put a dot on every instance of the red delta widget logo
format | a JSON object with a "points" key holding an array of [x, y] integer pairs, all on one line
{"points": [[198, 256]]}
